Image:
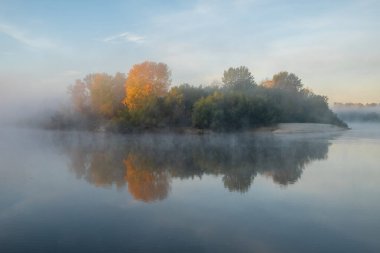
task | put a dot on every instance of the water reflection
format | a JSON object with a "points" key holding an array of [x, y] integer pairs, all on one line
{"points": [[146, 164], [145, 181]]}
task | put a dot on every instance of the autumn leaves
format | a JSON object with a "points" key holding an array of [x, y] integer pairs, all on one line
{"points": [[145, 81]]}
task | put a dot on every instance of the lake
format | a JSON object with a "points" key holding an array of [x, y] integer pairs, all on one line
{"points": [[248, 192]]}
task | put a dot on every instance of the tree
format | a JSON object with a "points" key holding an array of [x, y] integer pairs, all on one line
{"points": [[188, 95], [238, 78], [118, 90], [173, 107], [98, 93], [287, 81], [221, 111], [145, 81], [101, 95], [79, 96]]}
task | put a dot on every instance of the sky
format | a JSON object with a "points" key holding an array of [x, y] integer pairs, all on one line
{"points": [[333, 46]]}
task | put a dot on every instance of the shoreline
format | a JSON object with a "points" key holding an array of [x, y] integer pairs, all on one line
{"points": [[280, 128]]}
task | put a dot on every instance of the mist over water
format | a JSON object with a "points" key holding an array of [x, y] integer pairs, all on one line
{"points": [[358, 112], [264, 192]]}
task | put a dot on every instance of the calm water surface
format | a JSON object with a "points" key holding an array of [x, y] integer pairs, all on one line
{"points": [[81, 192]]}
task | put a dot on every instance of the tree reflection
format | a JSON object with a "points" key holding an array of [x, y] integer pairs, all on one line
{"points": [[145, 182], [239, 180], [98, 167], [146, 164]]}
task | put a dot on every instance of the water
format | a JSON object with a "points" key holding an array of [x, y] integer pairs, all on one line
{"points": [[78, 192]]}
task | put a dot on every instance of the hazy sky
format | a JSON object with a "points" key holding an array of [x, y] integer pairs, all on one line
{"points": [[333, 46]]}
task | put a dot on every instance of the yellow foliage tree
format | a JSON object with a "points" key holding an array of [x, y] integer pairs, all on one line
{"points": [[146, 80]]}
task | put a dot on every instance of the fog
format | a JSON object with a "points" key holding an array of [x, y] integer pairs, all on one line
{"points": [[146, 164], [358, 112], [65, 185], [28, 99]]}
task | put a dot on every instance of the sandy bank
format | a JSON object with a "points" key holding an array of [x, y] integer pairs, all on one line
{"points": [[306, 128]]}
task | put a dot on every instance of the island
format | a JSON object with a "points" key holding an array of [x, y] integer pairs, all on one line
{"points": [[145, 100]]}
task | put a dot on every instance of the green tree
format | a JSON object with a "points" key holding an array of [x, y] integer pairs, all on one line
{"points": [[287, 81], [222, 111], [189, 96], [239, 78], [174, 108]]}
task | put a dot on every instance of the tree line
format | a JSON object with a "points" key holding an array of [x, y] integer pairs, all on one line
{"points": [[358, 112], [145, 99]]}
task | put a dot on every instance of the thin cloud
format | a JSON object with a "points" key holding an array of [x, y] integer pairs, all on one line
{"points": [[24, 38], [125, 37]]}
